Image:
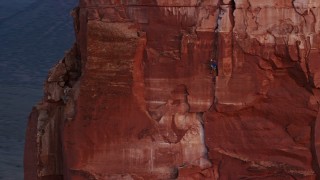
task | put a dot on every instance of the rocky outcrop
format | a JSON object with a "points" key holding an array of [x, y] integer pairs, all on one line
{"points": [[43, 148], [266, 99], [135, 97]]}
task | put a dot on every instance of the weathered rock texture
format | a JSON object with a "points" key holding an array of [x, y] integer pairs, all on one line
{"points": [[134, 98]]}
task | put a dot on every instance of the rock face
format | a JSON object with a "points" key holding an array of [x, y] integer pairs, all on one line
{"points": [[135, 97]]}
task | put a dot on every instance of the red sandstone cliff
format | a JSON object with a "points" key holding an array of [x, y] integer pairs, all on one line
{"points": [[134, 98]]}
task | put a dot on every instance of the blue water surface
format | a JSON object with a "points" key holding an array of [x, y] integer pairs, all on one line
{"points": [[34, 35]]}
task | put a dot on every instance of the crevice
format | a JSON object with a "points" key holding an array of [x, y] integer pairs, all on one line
{"points": [[306, 58], [232, 19], [233, 8], [216, 31], [214, 54]]}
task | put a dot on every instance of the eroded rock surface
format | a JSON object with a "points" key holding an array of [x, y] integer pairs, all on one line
{"points": [[135, 98]]}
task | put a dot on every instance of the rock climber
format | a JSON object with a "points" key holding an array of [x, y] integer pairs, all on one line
{"points": [[214, 67]]}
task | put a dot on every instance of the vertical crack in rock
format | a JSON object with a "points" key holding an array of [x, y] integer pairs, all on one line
{"points": [[224, 45]]}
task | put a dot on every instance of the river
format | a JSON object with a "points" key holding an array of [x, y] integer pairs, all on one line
{"points": [[34, 35]]}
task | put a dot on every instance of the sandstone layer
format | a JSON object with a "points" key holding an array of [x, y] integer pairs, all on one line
{"points": [[135, 97]]}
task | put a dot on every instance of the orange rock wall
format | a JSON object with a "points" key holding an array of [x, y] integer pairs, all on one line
{"points": [[135, 98]]}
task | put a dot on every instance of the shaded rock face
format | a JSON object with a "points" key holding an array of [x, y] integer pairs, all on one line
{"points": [[135, 98]]}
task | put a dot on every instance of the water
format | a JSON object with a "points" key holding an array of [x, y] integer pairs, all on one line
{"points": [[34, 35]]}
